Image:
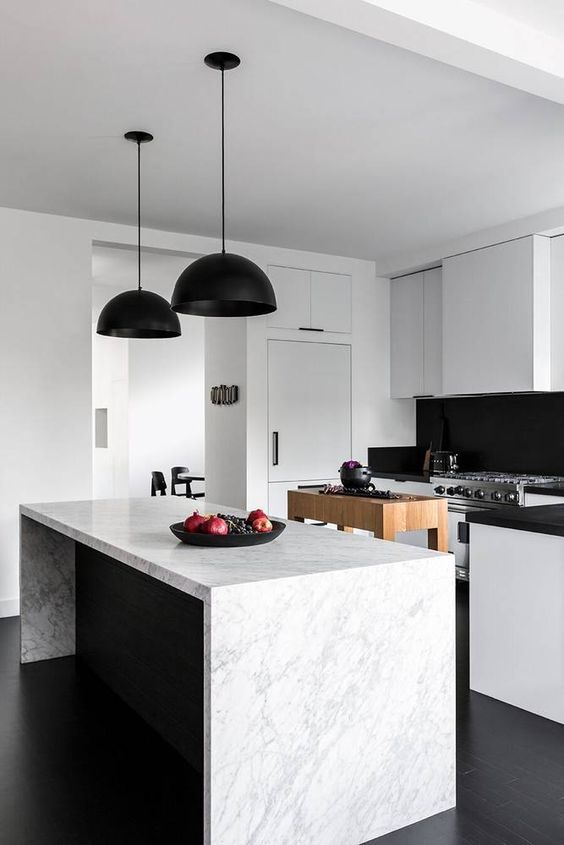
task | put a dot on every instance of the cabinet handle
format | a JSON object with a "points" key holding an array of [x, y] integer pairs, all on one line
{"points": [[274, 448], [463, 533], [308, 329]]}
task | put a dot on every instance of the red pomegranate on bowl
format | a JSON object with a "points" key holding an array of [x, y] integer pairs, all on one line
{"points": [[214, 525], [262, 525], [194, 522], [256, 514]]}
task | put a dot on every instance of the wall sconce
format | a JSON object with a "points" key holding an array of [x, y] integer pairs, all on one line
{"points": [[224, 395]]}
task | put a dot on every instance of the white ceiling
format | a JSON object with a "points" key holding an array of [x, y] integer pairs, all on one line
{"points": [[544, 15], [336, 142]]}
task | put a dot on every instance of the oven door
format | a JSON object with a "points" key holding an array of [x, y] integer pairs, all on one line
{"points": [[458, 535]]}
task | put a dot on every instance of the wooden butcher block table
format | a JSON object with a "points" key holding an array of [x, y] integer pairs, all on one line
{"points": [[384, 517]]}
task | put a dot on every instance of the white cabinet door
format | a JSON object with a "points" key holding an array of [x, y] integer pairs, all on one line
{"points": [[406, 336], [293, 296], [278, 494], [416, 335], [534, 499], [432, 332], [331, 302], [496, 318], [309, 409]]}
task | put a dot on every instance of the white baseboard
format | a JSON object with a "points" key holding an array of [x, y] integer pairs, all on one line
{"points": [[9, 607]]}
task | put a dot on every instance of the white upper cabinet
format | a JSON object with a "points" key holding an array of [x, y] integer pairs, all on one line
{"points": [[496, 318], [557, 312], [416, 335], [433, 332], [311, 300], [331, 302], [406, 335], [292, 289]]}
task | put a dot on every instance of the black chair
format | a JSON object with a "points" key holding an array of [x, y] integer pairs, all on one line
{"points": [[158, 483], [187, 480]]}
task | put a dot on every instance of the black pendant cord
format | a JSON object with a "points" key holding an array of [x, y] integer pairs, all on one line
{"points": [[223, 160], [138, 215], [223, 284]]}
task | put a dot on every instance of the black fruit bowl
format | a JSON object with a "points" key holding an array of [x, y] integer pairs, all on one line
{"points": [[226, 541], [357, 478]]}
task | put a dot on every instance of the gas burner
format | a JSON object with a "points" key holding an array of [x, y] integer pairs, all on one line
{"points": [[504, 477], [371, 493]]}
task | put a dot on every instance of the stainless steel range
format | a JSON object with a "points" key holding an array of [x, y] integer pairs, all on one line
{"points": [[488, 488], [472, 491]]}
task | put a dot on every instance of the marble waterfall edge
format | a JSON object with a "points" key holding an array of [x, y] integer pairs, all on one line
{"points": [[331, 706], [47, 592]]}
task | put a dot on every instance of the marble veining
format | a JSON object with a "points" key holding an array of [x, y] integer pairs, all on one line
{"points": [[135, 532], [47, 606], [332, 713]]}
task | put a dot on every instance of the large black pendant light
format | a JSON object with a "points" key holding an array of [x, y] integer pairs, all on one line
{"points": [[223, 284], [138, 313]]}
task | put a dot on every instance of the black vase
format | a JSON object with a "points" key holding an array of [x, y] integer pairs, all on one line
{"points": [[357, 478]]}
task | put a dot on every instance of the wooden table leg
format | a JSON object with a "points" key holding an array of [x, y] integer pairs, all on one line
{"points": [[437, 538], [346, 528], [389, 526]]}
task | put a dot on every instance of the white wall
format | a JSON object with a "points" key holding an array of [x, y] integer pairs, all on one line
{"points": [[45, 383], [46, 373], [226, 425], [110, 390], [166, 406]]}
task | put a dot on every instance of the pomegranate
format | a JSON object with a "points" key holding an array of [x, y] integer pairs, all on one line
{"points": [[193, 523], [214, 525], [262, 525], [258, 514]]}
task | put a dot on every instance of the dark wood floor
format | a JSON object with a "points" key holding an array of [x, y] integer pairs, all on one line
{"points": [[77, 767]]}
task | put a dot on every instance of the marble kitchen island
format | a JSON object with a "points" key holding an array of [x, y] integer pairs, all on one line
{"points": [[310, 680]]}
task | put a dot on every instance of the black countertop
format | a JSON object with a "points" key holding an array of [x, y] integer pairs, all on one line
{"points": [[543, 519], [555, 488], [402, 463], [415, 475]]}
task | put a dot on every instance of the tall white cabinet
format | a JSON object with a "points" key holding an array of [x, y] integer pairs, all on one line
{"points": [[309, 414], [496, 318], [416, 335]]}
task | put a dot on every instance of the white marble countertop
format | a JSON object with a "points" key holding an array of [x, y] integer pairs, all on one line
{"points": [[136, 532]]}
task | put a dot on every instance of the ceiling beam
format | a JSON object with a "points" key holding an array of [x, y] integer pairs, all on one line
{"points": [[460, 33]]}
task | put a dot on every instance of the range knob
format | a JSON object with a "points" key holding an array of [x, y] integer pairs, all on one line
{"points": [[479, 494], [450, 491], [459, 490], [496, 496], [439, 490], [511, 497], [468, 492]]}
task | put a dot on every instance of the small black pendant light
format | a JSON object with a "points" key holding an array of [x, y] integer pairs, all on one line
{"points": [[223, 284], [138, 313]]}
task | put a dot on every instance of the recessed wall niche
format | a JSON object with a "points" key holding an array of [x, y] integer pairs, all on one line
{"points": [[101, 428]]}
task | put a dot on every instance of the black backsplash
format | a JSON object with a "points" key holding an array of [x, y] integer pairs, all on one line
{"points": [[512, 432]]}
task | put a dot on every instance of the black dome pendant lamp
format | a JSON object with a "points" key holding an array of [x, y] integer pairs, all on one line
{"points": [[138, 313], [223, 284]]}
